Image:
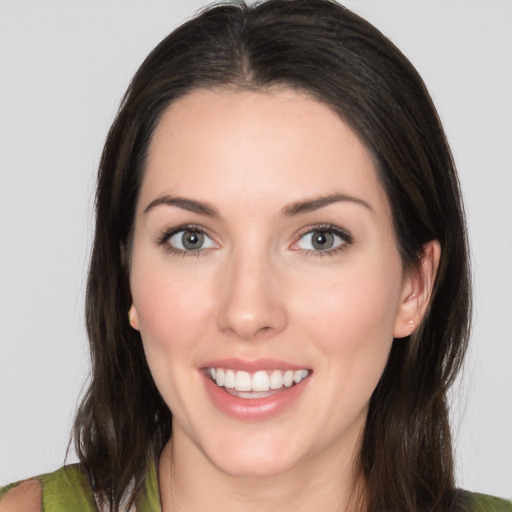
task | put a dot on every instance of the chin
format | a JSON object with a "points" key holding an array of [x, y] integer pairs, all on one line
{"points": [[262, 460], [255, 468]]}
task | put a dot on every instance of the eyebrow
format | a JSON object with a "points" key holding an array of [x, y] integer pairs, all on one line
{"points": [[296, 208], [315, 203], [184, 203]]}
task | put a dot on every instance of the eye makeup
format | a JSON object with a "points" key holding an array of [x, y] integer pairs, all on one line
{"points": [[194, 240]]}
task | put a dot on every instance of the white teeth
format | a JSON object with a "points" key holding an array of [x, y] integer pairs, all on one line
{"points": [[276, 380], [288, 378], [243, 381], [229, 379], [260, 381], [299, 375], [219, 379]]}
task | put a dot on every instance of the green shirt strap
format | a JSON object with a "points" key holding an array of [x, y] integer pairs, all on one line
{"points": [[149, 501], [476, 502], [67, 489]]}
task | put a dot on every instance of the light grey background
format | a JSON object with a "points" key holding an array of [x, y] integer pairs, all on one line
{"points": [[64, 65]]}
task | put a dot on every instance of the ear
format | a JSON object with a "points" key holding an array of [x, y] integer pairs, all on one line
{"points": [[133, 317], [417, 290]]}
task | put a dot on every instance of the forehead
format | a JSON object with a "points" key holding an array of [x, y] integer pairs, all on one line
{"points": [[239, 143]]}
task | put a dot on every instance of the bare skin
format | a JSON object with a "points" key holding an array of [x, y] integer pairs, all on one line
{"points": [[256, 287], [26, 497], [292, 490]]}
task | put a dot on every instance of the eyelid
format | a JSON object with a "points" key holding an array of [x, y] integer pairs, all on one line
{"points": [[167, 233], [342, 233], [164, 237]]}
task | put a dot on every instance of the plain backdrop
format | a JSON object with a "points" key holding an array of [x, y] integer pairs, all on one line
{"points": [[64, 65]]}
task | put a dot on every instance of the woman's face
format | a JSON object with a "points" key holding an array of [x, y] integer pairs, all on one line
{"points": [[263, 254]]}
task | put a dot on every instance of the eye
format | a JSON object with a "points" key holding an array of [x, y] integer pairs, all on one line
{"points": [[324, 240], [188, 240]]}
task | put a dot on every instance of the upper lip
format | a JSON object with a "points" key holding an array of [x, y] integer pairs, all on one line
{"points": [[253, 365]]}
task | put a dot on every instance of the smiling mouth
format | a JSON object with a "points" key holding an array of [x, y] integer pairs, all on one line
{"points": [[259, 384]]}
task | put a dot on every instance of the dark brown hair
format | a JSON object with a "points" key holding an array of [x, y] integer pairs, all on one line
{"points": [[323, 49]]}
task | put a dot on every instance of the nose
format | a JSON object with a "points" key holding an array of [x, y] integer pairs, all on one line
{"points": [[252, 304]]}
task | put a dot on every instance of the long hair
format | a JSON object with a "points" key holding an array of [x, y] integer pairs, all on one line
{"points": [[325, 50]]}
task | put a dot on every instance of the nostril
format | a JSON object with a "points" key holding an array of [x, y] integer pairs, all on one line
{"points": [[250, 308]]}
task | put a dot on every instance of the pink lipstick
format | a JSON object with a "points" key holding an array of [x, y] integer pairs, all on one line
{"points": [[254, 390]]}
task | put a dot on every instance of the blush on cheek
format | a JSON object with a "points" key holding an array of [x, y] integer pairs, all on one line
{"points": [[352, 323], [160, 296], [172, 313]]}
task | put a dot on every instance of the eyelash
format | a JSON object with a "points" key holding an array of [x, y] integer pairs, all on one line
{"points": [[327, 228], [164, 238], [347, 238]]}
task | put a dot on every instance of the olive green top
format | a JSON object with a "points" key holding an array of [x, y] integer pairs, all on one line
{"points": [[69, 490]]}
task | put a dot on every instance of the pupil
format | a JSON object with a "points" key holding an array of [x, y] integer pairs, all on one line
{"points": [[323, 240], [192, 240]]}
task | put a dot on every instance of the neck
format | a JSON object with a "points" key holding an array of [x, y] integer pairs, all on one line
{"points": [[189, 482]]}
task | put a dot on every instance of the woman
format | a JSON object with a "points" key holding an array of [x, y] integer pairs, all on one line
{"points": [[279, 233]]}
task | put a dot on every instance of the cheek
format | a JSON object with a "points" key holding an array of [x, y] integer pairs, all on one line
{"points": [[351, 320], [353, 304], [171, 305], [172, 309]]}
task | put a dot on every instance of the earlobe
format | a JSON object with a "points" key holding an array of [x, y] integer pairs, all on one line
{"points": [[417, 290], [133, 318]]}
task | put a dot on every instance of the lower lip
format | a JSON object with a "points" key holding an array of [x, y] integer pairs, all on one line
{"points": [[254, 409]]}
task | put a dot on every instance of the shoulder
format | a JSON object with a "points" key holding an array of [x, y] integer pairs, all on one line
{"points": [[21, 497], [66, 489], [476, 502]]}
